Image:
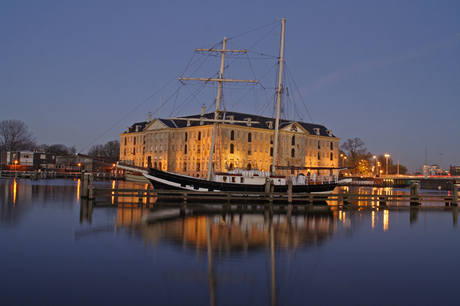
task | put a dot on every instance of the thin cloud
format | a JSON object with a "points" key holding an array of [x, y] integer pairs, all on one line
{"points": [[345, 73]]}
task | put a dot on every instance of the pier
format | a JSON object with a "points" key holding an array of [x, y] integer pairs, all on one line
{"points": [[227, 198]]}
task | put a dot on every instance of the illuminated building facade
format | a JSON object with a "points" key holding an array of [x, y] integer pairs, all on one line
{"points": [[183, 146]]}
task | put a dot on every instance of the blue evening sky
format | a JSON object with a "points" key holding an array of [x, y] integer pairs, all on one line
{"points": [[388, 72]]}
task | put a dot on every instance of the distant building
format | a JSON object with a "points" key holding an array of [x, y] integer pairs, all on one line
{"points": [[28, 160], [183, 146], [455, 170], [87, 163]]}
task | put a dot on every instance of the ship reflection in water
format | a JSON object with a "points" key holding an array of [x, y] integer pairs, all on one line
{"points": [[232, 232]]}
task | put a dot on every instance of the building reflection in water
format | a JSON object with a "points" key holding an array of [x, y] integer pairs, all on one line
{"points": [[231, 232], [215, 234]]}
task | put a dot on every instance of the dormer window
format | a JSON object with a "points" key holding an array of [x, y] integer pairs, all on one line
{"points": [[248, 121], [201, 120], [128, 129], [189, 122], [231, 118], [329, 132], [316, 131], [270, 124], [137, 128]]}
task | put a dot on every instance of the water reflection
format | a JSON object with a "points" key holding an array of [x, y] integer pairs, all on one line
{"points": [[108, 253]]}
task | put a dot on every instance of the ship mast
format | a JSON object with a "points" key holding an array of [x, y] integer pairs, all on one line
{"points": [[220, 80], [278, 102], [216, 112]]}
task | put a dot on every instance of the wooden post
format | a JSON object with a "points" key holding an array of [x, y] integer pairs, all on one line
{"points": [[414, 192], [90, 186], [84, 185], [383, 199], [290, 192], [455, 195]]}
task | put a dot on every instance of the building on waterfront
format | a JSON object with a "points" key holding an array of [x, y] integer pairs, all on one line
{"points": [[183, 146], [27, 160]]}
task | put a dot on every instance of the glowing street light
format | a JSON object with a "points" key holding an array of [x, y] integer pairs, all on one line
{"points": [[387, 155], [375, 157]]}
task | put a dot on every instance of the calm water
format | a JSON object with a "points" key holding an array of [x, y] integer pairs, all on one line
{"points": [[55, 253]]}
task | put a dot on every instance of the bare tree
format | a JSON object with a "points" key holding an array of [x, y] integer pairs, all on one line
{"points": [[15, 136], [356, 151], [112, 148], [97, 150]]}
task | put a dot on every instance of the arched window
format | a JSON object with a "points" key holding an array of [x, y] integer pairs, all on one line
{"points": [[293, 152], [293, 140], [232, 135], [232, 148], [249, 167], [249, 137]]}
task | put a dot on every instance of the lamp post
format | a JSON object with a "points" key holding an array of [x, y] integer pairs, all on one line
{"points": [[375, 161], [386, 156]]}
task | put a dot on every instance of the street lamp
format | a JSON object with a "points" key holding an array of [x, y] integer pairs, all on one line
{"points": [[375, 158], [387, 155]]}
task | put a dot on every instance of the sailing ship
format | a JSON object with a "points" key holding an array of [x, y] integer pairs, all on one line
{"points": [[246, 180]]}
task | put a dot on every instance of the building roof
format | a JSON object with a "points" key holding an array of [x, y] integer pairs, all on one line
{"points": [[136, 127], [263, 123]]}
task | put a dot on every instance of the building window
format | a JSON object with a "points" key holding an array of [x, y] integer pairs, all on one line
{"points": [[232, 135], [319, 145], [185, 166], [249, 151], [293, 140], [249, 137], [186, 136], [271, 151], [198, 166], [232, 148], [332, 156], [199, 135], [293, 153], [185, 149], [319, 155]]}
